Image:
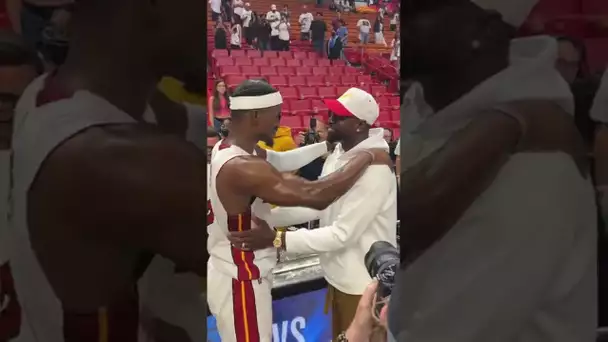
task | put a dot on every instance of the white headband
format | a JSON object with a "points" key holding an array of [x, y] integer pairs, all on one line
{"points": [[256, 102]]}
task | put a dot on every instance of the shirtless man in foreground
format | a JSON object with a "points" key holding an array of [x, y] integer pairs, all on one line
{"points": [[242, 184]]}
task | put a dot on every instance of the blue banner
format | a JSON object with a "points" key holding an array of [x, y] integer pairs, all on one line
{"points": [[298, 318]]}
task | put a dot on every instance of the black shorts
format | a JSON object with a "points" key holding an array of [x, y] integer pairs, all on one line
{"points": [[215, 16]]}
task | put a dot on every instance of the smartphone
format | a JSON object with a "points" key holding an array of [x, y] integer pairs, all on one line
{"points": [[313, 124]]}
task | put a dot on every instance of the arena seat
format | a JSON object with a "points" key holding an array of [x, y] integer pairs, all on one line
{"points": [[289, 93], [327, 92], [254, 53], [250, 70], [295, 81], [237, 53], [259, 61], [277, 62], [349, 80], [227, 70], [293, 63], [300, 107], [320, 70], [304, 71], [315, 81], [286, 70], [333, 80], [291, 121], [268, 71], [308, 93], [278, 81]]}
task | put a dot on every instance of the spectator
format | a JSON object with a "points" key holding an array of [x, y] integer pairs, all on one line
{"points": [[274, 17], [216, 10], [342, 33], [286, 12], [283, 29], [305, 20], [334, 47], [31, 17], [571, 59], [226, 11], [235, 37], [345, 6], [220, 36], [394, 21], [219, 105], [246, 17], [282, 141], [378, 31], [336, 21], [225, 128], [237, 9], [364, 26], [318, 27], [263, 32], [396, 50], [334, 6]]}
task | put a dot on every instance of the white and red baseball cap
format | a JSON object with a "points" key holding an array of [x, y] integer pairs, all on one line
{"points": [[355, 103]]}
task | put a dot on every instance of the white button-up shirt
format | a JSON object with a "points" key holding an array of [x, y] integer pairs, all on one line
{"points": [[365, 214]]}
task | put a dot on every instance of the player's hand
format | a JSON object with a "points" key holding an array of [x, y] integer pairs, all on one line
{"points": [[260, 236], [299, 138]]}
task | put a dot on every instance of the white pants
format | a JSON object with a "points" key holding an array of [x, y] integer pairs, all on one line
{"points": [[242, 309]]}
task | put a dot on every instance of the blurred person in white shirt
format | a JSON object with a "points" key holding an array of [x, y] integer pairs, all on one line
{"points": [[216, 10], [364, 26], [273, 17], [365, 214], [235, 37], [305, 20], [283, 29], [246, 17], [237, 8]]}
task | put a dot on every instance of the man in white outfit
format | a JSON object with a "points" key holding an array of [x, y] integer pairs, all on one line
{"points": [[498, 216]]}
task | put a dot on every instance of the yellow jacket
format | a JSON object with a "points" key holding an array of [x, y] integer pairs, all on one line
{"points": [[283, 141], [174, 90]]}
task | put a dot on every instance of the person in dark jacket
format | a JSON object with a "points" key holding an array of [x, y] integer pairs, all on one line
{"points": [[334, 47], [318, 27], [262, 33], [220, 36]]}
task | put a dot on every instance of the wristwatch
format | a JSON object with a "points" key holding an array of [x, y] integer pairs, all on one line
{"points": [[342, 337], [278, 240]]}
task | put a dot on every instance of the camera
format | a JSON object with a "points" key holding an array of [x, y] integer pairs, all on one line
{"points": [[382, 262]]}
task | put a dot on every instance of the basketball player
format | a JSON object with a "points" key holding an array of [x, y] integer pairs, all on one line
{"points": [[19, 65], [97, 192], [242, 185]]}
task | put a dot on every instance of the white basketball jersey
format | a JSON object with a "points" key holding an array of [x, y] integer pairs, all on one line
{"points": [[38, 131], [239, 264]]}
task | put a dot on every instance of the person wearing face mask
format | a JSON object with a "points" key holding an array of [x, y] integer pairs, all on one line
{"points": [[19, 65]]}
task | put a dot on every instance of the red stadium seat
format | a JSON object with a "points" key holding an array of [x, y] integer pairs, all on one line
{"points": [[291, 121], [367, 88], [285, 54], [384, 117], [349, 80], [254, 53], [364, 79], [315, 81], [224, 61], [299, 107], [319, 70], [304, 71], [312, 55], [286, 70], [378, 90], [336, 71], [396, 133], [327, 92], [309, 62], [293, 62], [277, 62], [234, 80], [395, 102], [259, 61], [338, 62], [333, 80], [306, 119], [268, 71], [240, 61], [349, 70], [285, 107], [229, 70], [249, 70], [395, 115], [324, 62], [383, 103], [237, 53], [219, 53], [270, 54], [289, 93], [319, 107], [300, 55], [308, 93], [296, 81], [341, 90], [277, 81]]}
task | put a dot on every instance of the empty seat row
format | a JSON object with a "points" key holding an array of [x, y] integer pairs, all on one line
{"points": [[297, 114], [271, 54], [385, 101], [276, 61], [250, 70]]}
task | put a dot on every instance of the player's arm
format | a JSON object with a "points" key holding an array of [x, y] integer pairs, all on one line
{"points": [[255, 176], [136, 188], [361, 205], [295, 159]]}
